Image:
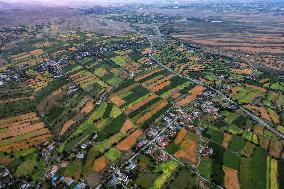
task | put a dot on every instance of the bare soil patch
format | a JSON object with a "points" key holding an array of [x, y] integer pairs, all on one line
{"points": [[231, 178], [127, 126], [88, 107], [276, 147], [188, 150], [139, 104], [100, 164], [127, 143], [227, 139], [182, 133], [117, 100], [66, 126], [196, 91]]}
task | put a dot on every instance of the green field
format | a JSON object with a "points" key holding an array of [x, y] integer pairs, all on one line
{"points": [[205, 167], [113, 154], [167, 169]]}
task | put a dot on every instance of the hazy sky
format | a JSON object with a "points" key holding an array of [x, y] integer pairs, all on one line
{"points": [[86, 2], [72, 2], [93, 2]]}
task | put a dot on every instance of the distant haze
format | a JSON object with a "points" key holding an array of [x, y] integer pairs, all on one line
{"points": [[76, 3], [73, 2]]}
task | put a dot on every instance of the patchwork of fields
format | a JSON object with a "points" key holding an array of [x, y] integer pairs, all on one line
{"points": [[99, 110]]}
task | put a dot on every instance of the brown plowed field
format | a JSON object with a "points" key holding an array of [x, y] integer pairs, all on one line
{"points": [[139, 104], [231, 178], [100, 164], [126, 144], [196, 91]]}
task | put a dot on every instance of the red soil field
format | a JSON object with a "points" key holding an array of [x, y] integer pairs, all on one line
{"points": [[196, 91], [127, 143], [182, 133], [139, 104], [100, 164]]}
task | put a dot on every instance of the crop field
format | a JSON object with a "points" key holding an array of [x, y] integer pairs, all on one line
{"points": [[261, 111], [108, 142], [191, 180], [127, 143], [29, 58], [164, 84], [27, 163], [148, 74], [108, 72], [138, 103], [15, 92], [231, 178], [246, 94], [194, 92], [153, 174], [38, 81], [62, 109], [187, 63], [205, 166], [105, 152], [151, 113], [245, 71], [112, 80], [100, 164], [120, 60], [167, 169], [233, 164], [85, 79], [180, 136], [66, 126], [107, 120], [113, 154], [103, 111], [22, 132], [111, 146], [237, 142], [89, 106], [188, 148]]}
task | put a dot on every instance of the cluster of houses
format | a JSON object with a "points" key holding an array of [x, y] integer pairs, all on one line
{"points": [[68, 181], [3, 77], [6, 179], [101, 50], [119, 177], [157, 154], [208, 107], [11, 76], [179, 118], [205, 151], [81, 152], [47, 148], [10, 34], [53, 67]]}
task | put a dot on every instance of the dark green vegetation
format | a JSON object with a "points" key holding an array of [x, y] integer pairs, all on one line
{"points": [[28, 165], [258, 168], [185, 180], [16, 108]]}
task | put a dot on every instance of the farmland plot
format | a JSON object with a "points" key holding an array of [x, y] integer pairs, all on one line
{"points": [[22, 132]]}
